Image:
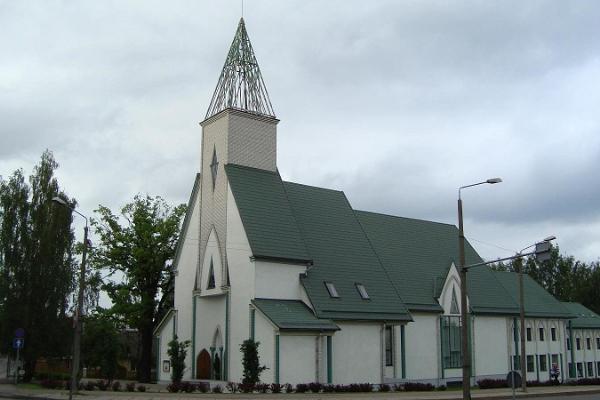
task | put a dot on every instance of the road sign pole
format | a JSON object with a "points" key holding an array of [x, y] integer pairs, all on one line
{"points": [[17, 368]]}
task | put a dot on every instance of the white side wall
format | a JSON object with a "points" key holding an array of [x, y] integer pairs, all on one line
{"points": [[422, 347], [489, 346], [357, 353], [165, 336], [278, 280], [585, 355], [264, 332], [297, 358]]}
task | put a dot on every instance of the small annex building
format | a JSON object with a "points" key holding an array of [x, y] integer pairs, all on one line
{"points": [[333, 294]]}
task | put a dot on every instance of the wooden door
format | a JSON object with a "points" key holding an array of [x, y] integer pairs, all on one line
{"points": [[203, 365]]}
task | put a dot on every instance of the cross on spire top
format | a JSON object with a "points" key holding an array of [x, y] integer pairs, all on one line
{"points": [[241, 85]]}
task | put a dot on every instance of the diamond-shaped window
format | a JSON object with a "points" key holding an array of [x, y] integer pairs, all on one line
{"points": [[214, 166]]}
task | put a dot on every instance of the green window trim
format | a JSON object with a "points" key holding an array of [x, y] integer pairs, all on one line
{"points": [[277, 358], [329, 359]]}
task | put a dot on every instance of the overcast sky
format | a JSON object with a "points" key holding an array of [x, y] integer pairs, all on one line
{"points": [[397, 103]]}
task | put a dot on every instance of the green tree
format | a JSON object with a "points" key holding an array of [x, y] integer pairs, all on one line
{"points": [[37, 267], [251, 362], [177, 352], [101, 344], [137, 245]]}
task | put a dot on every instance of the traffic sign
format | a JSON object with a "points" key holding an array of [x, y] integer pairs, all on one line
{"points": [[20, 333], [18, 343]]}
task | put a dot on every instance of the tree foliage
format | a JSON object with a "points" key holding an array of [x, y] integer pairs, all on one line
{"points": [[564, 277], [177, 352], [36, 263], [136, 246], [101, 344]]}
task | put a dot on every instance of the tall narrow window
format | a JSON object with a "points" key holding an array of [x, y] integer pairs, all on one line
{"points": [[568, 344], [553, 333], [211, 276], [541, 334], [362, 291], [331, 289], [214, 167], [579, 370], [598, 346], [543, 363], [389, 346], [530, 366], [590, 369], [588, 343], [528, 332], [578, 343], [454, 303]]}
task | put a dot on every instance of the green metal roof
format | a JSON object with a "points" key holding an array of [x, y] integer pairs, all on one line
{"points": [[266, 214], [417, 254], [538, 302], [584, 317], [293, 315], [343, 256]]}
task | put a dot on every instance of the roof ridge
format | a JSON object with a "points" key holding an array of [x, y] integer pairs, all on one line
{"points": [[409, 218], [234, 165], [314, 187]]}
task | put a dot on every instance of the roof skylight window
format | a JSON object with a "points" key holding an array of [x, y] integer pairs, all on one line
{"points": [[331, 289], [362, 291]]}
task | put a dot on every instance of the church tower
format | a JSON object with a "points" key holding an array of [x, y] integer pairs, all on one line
{"points": [[240, 128]]}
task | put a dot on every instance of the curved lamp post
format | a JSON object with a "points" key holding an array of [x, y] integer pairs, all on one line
{"points": [[466, 356], [79, 313]]}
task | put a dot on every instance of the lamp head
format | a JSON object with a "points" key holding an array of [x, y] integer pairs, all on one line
{"points": [[549, 238], [494, 180], [60, 201]]}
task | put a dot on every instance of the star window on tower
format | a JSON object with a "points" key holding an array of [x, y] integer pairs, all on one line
{"points": [[214, 165]]}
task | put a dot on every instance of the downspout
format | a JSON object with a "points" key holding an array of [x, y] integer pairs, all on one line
{"points": [[441, 346], [226, 350], [403, 350], [277, 357], [329, 360], [572, 369]]}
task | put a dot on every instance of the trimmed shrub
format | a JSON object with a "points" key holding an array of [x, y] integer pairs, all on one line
{"points": [[441, 388], [315, 387], [418, 387], [130, 387], [288, 388], [203, 387], [365, 387], [384, 387], [275, 388], [141, 388], [116, 386], [90, 386], [51, 384], [492, 383], [217, 389], [102, 384], [232, 387], [173, 387], [262, 387], [247, 387], [328, 388], [301, 388], [187, 387]]}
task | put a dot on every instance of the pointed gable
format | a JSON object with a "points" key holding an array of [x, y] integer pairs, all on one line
{"points": [[241, 86]]}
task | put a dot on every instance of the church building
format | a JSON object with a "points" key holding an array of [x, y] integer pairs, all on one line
{"points": [[333, 294]]}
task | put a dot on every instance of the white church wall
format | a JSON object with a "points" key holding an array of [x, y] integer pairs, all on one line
{"points": [[212, 255], [357, 353], [241, 275], [297, 358], [210, 316], [422, 349], [489, 339], [165, 336], [184, 280], [264, 332], [278, 280], [252, 141]]}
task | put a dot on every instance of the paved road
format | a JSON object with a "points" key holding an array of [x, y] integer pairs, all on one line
{"points": [[593, 396]]}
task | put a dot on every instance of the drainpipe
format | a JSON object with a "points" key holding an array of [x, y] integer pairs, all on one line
{"points": [[572, 369]]}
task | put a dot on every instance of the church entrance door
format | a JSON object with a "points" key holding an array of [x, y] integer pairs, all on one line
{"points": [[203, 365]]}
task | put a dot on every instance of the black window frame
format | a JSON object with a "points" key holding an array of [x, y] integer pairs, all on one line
{"points": [[389, 346], [528, 334], [578, 343], [553, 334], [530, 361], [543, 365], [541, 334]]}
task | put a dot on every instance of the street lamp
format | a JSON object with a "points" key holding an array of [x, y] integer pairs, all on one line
{"points": [[519, 262], [466, 359], [79, 312]]}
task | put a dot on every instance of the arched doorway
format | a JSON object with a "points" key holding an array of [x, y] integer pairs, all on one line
{"points": [[203, 365]]}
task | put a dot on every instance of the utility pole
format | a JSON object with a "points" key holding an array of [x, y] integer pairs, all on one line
{"points": [[519, 263], [466, 361]]}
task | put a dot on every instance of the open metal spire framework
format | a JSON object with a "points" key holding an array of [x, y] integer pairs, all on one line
{"points": [[240, 85]]}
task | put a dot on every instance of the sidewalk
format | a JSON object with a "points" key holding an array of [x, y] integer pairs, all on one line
{"points": [[8, 391]]}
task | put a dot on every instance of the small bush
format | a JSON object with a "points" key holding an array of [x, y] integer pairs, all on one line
{"points": [[90, 386], [441, 388], [418, 387], [102, 384], [141, 388], [187, 387], [397, 388], [173, 387], [275, 388], [288, 388], [340, 389], [116, 386], [217, 389], [51, 384], [247, 387], [587, 381], [328, 388], [384, 387], [262, 387], [492, 383], [232, 387], [365, 387], [130, 387], [315, 387], [301, 388], [203, 387]]}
